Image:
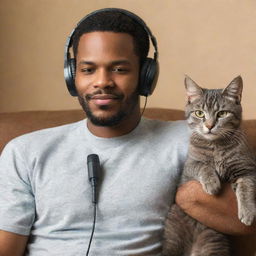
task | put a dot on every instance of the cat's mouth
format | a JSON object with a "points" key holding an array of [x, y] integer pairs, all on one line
{"points": [[210, 135], [209, 132]]}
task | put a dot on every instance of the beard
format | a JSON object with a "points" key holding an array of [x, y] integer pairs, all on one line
{"points": [[125, 110]]}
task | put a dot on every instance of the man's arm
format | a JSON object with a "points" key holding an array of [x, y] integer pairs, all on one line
{"points": [[12, 244], [218, 212]]}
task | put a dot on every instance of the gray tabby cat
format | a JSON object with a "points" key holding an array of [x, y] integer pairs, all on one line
{"points": [[218, 152]]}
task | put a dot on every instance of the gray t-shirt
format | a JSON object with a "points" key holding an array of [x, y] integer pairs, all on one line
{"points": [[45, 193]]}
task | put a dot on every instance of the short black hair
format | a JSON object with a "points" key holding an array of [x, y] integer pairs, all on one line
{"points": [[114, 21]]}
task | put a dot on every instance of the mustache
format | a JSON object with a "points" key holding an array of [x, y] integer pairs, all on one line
{"points": [[114, 95]]}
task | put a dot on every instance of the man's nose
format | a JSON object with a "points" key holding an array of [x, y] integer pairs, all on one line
{"points": [[103, 79]]}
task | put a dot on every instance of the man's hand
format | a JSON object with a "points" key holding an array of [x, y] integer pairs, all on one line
{"points": [[12, 244], [215, 211]]}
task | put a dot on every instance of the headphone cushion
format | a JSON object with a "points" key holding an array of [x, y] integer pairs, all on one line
{"points": [[73, 68]]}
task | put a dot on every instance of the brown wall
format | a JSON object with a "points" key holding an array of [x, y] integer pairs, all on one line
{"points": [[211, 41]]}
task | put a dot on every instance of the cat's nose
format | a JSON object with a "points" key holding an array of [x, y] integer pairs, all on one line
{"points": [[209, 125]]}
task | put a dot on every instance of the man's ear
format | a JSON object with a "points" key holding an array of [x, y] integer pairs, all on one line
{"points": [[193, 90]]}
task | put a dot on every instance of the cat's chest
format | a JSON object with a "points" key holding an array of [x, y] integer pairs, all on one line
{"points": [[221, 159], [218, 158]]}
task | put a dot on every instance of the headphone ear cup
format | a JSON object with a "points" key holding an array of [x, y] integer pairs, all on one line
{"points": [[69, 73], [148, 77]]}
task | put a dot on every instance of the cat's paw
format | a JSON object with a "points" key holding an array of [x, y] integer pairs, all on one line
{"points": [[247, 216], [212, 185]]}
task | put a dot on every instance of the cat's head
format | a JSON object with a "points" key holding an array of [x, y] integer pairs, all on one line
{"points": [[214, 113]]}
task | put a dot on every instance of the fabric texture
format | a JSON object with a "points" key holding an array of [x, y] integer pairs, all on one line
{"points": [[45, 191]]}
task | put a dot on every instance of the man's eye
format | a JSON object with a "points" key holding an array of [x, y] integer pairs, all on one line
{"points": [[222, 114], [199, 113], [120, 70], [87, 70]]}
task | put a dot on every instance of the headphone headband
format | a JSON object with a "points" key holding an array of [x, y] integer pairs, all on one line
{"points": [[69, 41]]}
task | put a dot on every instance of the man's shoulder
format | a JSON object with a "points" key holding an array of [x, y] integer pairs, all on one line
{"points": [[168, 133], [45, 136], [167, 127], [57, 130]]}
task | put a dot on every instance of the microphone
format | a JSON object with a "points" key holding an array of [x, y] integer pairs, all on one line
{"points": [[93, 164]]}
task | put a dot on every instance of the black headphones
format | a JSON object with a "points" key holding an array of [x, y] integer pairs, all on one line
{"points": [[149, 69]]}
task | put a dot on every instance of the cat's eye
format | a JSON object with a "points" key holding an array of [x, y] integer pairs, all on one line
{"points": [[199, 113], [222, 114]]}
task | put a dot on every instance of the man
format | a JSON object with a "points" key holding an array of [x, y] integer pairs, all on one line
{"points": [[46, 206]]}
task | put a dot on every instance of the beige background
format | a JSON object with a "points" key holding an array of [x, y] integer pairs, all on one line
{"points": [[212, 41]]}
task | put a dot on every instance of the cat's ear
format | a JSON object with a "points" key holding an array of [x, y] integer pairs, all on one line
{"points": [[234, 90], [194, 91]]}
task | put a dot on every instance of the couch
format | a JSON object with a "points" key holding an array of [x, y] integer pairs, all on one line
{"points": [[18, 123]]}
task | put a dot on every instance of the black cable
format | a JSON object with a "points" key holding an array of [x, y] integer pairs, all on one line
{"points": [[145, 103], [93, 228], [93, 164]]}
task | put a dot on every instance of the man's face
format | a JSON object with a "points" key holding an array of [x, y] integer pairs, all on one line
{"points": [[107, 74]]}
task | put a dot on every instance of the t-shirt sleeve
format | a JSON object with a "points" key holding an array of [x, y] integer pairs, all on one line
{"points": [[17, 207]]}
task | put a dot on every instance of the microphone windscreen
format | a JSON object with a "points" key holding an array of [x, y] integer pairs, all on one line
{"points": [[93, 158], [93, 164]]}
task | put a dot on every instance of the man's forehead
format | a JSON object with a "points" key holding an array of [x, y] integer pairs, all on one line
{"points": [[106, 36], [103, 43], [113, 62]]}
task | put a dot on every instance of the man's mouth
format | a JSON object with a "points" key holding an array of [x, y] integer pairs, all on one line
{"points": [[104, 99]]}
